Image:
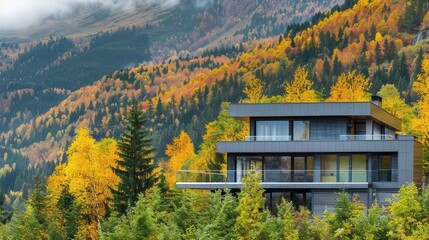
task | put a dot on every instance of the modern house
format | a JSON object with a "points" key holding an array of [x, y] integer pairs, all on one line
{"points": [[308, 151]]}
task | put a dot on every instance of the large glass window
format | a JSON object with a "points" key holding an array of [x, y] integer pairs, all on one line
{"points": [[385, 168], [299, 169], [327, 129], [301, 130], [278, 168], [359, 168], [343, 173], [244, 164], [329, 168], [360, 129], [298, 199], [390, 134], [272, 131], [310, 168], [376, 131]]}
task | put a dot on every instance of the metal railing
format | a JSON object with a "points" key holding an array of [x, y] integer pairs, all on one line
{"points": [[339, 137], [200, 176], [367, 137], [208, 176], [267, 138]]}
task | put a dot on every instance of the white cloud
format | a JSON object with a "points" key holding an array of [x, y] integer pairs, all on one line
{"points": [[20, 14]]}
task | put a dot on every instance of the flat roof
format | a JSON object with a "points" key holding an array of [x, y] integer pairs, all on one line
{"points": [[244, 111]]}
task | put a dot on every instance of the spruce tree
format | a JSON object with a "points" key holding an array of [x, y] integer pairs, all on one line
{"points": [[5, 216], [36, 221], [136, 164], [418, 66], [70, 213]]}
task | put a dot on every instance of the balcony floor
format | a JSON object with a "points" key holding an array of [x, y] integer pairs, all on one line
{"points": [[276, 185]]}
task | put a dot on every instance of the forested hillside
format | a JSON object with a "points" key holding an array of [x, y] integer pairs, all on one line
{"points": [[357, 49], [43, 84], [185, 93]]}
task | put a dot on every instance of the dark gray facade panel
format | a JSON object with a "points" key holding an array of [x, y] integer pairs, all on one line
{"points": [[315, 146], [385, 185], [352, 109]]}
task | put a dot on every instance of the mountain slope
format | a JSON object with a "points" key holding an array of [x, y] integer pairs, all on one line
{"points": [[45, 72], [185, 94]]}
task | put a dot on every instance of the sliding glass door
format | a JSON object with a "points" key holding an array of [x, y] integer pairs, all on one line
{"points": [[344, 168], [244, 164], [343, 173]]}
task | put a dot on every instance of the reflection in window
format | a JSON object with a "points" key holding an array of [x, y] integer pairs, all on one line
{"points": [[272, 130], [299, 169], [329, 168], [359, 168], [327, 129], [301, 130], [376, 131], [298, 199], [360, 128], [278, 168], [390, 134], [244, 164], [343, 173], [310, 168], [385, 169]]}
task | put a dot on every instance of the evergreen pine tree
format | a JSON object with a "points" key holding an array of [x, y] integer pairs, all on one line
{"points": [[39, 202], [5, 216], [378, 54], [70, 212], [35, 222], [418, 65], [390, 51], [135, 167], [337, 66]]}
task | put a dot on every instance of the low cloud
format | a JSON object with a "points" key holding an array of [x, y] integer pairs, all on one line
{"points": [[21, 14]]}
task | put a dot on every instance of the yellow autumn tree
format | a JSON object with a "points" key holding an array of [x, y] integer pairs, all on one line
{"points": [[300, 89], [180, 151], [350, 87], [250, 204], [224, 128], [420, 125], [88, 176], [394, 104], [254, 88]]}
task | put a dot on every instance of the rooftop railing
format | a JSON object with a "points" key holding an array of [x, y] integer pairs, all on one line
{"points": [[366, 137]]}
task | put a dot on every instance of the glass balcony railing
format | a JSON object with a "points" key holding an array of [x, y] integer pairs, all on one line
{"points": [[284, 176], [201, 176], [267, 138], [321, 138], [367, 137]]}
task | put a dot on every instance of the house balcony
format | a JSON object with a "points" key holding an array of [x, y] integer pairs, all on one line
{"points": [[340, 144], [283, 179]]}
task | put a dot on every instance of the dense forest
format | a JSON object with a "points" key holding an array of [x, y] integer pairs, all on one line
{"points": [[39, 88], [104, 201], [185, 93], [346, 54]]}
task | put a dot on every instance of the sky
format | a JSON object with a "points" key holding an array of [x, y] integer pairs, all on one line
{"points": [[21, 14]]}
